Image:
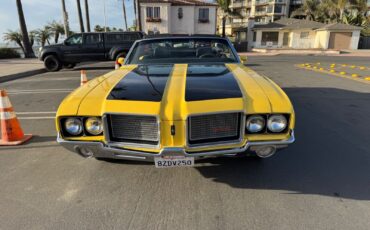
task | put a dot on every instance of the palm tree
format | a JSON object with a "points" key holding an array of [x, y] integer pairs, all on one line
{"points": [[226, 13], [342, 4], [87, 15], [82, 28], [65, 18], [43, 36], [57, 29], [309, 9], [124, 13], [14, 36], [28, 51], [138, 15]]}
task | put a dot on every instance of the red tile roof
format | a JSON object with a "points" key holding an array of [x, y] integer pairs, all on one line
{"points": [[181, 2]]}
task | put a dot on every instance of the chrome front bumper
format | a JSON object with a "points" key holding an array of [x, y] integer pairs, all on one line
{"points": [[101, 150]]}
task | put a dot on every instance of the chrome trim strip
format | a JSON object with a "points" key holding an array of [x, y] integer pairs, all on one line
{"points": [[99, 149]]}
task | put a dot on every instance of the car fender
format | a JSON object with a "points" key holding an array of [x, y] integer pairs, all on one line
{"points": [[50, 51]]}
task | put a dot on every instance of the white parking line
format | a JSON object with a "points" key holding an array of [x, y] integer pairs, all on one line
{"points": [[74, 78], [37, 91], [25, 113], [34, 118]]}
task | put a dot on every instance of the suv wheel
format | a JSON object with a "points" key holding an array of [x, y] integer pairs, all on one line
{"points": [[52, 63]]}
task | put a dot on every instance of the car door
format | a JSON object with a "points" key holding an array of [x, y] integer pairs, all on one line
{"points": [[72, 49], [93, 47]]}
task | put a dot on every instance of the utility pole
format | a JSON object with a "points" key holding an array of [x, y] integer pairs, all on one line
{"points": [[105, 19]]}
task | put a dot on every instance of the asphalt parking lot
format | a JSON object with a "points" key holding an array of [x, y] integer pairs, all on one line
{"points": [[320, 182]]}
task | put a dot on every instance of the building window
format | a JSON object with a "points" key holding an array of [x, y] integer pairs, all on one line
{"points": [[157, 12], [254, 36], [269, 38], [278, 9], [304, 35], [203, 15], [269, 9], [179, 13], [153, 14], [149, 12]]}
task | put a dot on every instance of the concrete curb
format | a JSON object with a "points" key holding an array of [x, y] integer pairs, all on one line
{"points": [[21, 75]]}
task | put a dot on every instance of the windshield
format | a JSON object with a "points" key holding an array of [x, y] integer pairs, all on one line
{"points": [[182, 50]]}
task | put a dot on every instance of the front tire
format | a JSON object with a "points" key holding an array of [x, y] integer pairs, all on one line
{"points": [[52, 63]]}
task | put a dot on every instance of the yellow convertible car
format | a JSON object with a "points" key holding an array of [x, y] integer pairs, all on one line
{"points": [[176, 99]]}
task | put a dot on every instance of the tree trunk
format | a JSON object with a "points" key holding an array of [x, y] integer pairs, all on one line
{"points": [[223, 27], [138, 15], [28, 51], [82, 28], [87, 15], [56, 38], [20, 45], [65, 19], [135, 13], [124, 14]]}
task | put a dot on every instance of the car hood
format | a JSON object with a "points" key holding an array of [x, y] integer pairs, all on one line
{"points": [[177, 90]]}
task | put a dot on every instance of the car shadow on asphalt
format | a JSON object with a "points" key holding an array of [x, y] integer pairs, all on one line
{"points": [[331, 155]]}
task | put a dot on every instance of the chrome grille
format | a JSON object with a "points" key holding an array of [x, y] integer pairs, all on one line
{"points": [[214, 128], [133, 128]]}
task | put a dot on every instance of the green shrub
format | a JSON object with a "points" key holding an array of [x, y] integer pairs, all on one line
{"points": [[8, 53]]}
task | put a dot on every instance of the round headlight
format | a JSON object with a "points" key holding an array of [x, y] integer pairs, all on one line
{"points": [[276, 123], [93, 125], [73, 126], [255, 123]]}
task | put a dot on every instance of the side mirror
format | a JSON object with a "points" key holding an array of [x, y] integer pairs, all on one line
{"points": [[65, 43], [243, 59], [120, 61]]}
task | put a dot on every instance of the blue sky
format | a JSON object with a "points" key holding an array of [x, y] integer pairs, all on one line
{"points": [[39, 12]]}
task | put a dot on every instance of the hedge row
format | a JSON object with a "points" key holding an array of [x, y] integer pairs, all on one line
{"points": [[8, 53]]}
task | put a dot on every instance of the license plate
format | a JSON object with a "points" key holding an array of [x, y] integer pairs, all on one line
{"points": [[169, 162]]}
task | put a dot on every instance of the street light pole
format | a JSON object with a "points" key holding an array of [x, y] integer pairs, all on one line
{"points": [[105, 19]]}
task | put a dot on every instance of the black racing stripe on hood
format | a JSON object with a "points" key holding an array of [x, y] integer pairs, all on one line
{"points": [[207, 82], [144, 83]]}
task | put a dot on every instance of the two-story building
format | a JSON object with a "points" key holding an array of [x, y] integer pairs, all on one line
{"points": [[178, 16]]}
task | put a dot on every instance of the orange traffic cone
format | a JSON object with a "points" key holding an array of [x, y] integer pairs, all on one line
{"points": [[11, 131], [83, 77]]}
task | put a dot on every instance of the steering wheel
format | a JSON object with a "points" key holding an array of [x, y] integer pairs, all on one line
{"points": [[207, 55]]}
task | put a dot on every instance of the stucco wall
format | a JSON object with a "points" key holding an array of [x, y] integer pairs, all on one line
{"points": [[355, 39], [184, 25], [322, 39], [302, 43], [163, 26], [205, 28]]}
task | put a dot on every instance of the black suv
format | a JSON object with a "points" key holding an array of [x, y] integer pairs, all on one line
{"points": [[85, 47]]}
